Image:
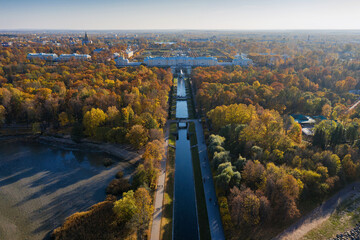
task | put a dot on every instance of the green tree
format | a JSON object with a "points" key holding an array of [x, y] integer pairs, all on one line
{"points": [[93, 119], [337, 135], [127, 115], [331, 161], [225, 214], [137, 136], [239, 163], [295, 132], [117, 135], [36, 128], [148, 121], [144, 211], [215, 144], [231, 114], [226, 177], [125, 208], [112, 114], [352, 132], [63, 119], [220, 157], [319, 138], [350, 168], [223, 178]]}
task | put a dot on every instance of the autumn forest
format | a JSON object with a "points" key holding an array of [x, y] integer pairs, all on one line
{"points": [[282, 134]]}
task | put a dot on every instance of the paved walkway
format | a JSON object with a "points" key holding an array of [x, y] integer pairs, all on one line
{"points": [[159, 194], [216, 228]]}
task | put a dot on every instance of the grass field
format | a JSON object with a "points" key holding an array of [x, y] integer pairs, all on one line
{"points": [[193, 139], [190, 102]]}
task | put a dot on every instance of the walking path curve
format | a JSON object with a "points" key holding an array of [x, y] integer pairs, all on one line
{"points": [[319, 214], [354, 105]]}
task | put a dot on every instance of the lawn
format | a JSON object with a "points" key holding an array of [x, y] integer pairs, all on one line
{"points": [[193, 139], [190, 101]]}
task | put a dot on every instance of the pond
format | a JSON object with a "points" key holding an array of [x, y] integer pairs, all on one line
{"points": [[41, 185]]}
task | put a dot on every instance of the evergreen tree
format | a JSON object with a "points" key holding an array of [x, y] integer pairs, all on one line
{"points": [[338, 135], [319, 139]]}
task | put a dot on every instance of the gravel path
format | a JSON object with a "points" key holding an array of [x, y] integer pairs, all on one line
{"points": [[319, 214]]}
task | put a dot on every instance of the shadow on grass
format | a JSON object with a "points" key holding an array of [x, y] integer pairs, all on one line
{"points": [[168, 208]]}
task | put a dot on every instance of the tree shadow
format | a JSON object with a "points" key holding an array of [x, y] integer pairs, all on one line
{"points": [[66, 182]]}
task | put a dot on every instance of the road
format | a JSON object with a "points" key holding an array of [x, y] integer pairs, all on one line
{"points": [[319, 214], [159, 194], [354, 105], [216, 228]]}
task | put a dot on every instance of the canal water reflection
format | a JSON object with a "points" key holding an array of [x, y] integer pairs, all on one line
{"points": [[185, 224]]}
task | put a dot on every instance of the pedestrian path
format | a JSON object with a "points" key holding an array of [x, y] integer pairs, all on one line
{"points": [[159, 194], [216, 228]]}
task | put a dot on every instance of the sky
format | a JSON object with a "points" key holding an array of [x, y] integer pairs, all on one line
{"points": [[181, 14]]}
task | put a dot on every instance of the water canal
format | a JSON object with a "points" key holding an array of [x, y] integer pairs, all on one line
{"points": [[185, 224], [181, 104]]}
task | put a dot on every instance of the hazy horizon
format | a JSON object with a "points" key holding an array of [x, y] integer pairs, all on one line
{"points": [[175, 15]]}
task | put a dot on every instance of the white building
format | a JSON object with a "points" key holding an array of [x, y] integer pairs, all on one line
{"points": [[120, 61], [44, 56], [67, 57], [116, 55], [180, 61], [123, 62], [242, 60], [129, 53], [6, 44]]}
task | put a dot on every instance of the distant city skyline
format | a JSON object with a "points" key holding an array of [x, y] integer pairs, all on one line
{"points": [[186, 14]]}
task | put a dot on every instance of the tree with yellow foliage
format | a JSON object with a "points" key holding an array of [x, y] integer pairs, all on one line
{"points": [[232, 114], [144, 210], [93, 119], [154, 151], [295, 132], [63, 119], [137, 136]]}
